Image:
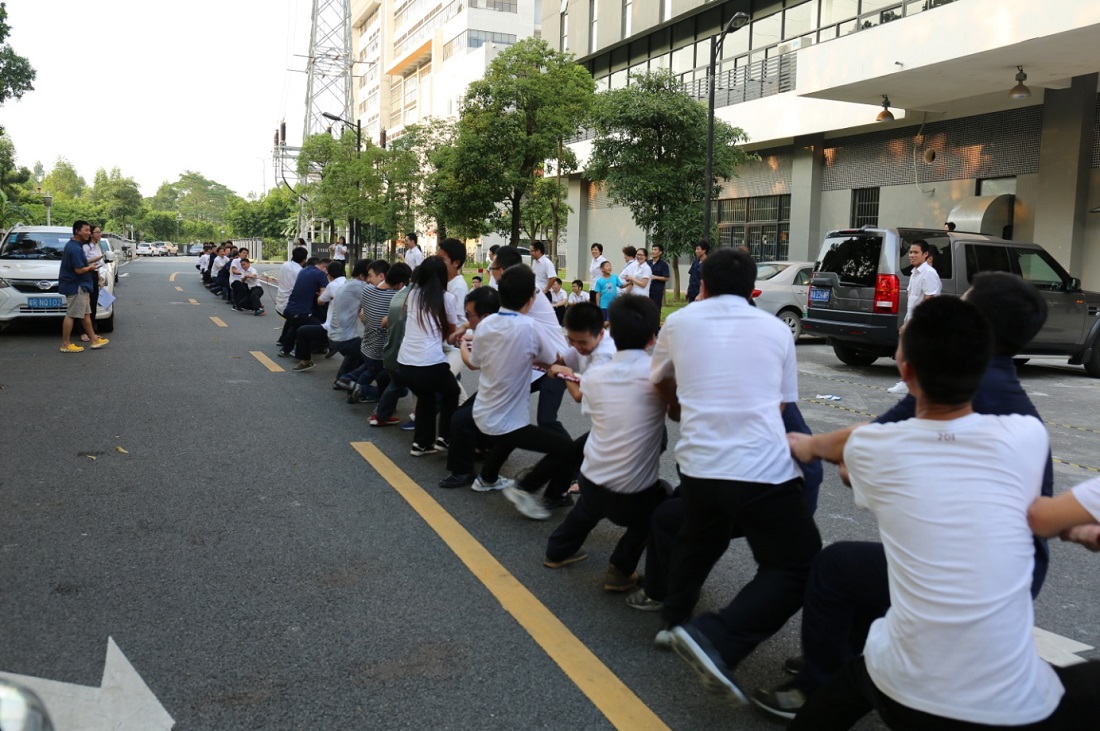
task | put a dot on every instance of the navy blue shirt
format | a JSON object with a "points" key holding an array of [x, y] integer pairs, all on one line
{"points": [[657, 289], [310, 281], [72, 258], [999, 394], [695, 276]]}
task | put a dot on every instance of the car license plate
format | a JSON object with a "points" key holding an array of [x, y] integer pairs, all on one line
{"points": [[44, 303], [819, 295]]}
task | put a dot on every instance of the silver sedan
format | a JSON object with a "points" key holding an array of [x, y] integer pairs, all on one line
{"points": [[781, 290]]}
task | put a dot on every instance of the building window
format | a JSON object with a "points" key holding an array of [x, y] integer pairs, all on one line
{"points": [[593, 12], [468, 40], [864, 207], [501, 6], [628, 11], [761, 224]]}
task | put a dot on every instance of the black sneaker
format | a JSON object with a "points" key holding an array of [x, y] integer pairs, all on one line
{"points": [[794, 664], [695, 649], [552, 503], [453, 480], [417, 451], [440, 443], [783, 700]]}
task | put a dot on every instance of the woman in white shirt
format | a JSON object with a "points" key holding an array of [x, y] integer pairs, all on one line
{"points": [[432, 314], [93, 252]]}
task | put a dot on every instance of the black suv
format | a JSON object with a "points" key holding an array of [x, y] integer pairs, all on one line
{"points": [[856, 298]]}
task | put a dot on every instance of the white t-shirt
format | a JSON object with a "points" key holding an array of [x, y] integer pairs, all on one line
{"points": [[594, 269], [543, 269], [459, 289], [339, 252], [923, 282], [642, 271], [328, 295], [414, 257], [235, 270], [250, 276], [505, 344], [423, 343], [602, 353], [623, 450], [734, 365], [219, 263], [556, 297], [288, 274], [575, 298], [951, 501], [1088, 494]]}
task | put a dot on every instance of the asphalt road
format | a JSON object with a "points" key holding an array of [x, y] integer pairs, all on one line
{"points": [[258, 572]]}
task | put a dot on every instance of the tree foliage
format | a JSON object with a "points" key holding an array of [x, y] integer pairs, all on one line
{"points": [[512, 121], [63, 180], [650, 152], [16, 73]]}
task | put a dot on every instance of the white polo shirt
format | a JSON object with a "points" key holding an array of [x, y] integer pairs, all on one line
{"points": [[505, 344], [623, 450], [414, 257], [543, 269], [602, 353], [734, 365], [423, 342], [923, 282], [951, 501], [594, 268], [288, 274], [642, 271], [459, 289]]}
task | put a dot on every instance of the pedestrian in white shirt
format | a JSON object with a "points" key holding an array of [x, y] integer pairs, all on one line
{"points": [[542, 267], [339, 250], [924, 284], [414, 255], [594, 271], [735, 465]]}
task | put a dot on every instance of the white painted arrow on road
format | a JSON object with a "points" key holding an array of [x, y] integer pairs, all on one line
{"points": [[1058, 650], [123, 702]]}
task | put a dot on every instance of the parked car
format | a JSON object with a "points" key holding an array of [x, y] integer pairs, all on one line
{"points": [[30, 264], [781, 288], [857, 300], [170, 249], [145, 250], [195, 249]]}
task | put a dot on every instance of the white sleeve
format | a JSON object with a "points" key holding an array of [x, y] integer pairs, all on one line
{"points": [[451, 308], [1088, 494], [789, 384], [662, 366]]}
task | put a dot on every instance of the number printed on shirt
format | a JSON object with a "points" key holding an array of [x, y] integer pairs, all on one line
{"points": [[946, 436]]}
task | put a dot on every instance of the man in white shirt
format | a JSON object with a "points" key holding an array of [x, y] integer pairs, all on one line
{"points": [[311, 339], [542, 267], [735, 466], [622, 453], [288, 274], [924, 284], [951, 515], [414, 256]]}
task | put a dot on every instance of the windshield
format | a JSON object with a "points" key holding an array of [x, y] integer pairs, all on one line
{"points": [[767, 271], [34, 245], [854, 260]]}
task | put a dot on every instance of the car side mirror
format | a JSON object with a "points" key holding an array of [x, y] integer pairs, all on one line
{"points": [[109, 255], [21, 709], [1074, 285]]}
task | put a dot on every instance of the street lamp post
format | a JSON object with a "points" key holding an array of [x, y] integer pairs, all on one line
{"points": [[48, 200], [179, 217], [737, 22], [356, 242]]}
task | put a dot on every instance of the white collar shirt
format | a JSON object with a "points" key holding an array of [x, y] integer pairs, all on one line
{"points": [[328, 295], [542, 312], [459, 289], [628, 270], [642, 271], [543, 270], [414, 257], [602, 353], [288, 274], [594, 268], [505, 344], [924, 281], [734, 365], [235, 270], [1088, 494], [623, 450]]}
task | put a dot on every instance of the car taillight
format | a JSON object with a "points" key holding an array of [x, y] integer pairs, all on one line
{"points": [[887, 292], [756, 293]]}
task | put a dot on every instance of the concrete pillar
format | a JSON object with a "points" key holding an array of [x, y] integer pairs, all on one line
{"points": [[576, 237], [1065, 161], [807, 166]]}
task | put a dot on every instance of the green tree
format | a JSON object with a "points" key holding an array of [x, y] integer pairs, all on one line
{"points": [[512, 121], [11, 213], [16, 73], [650, 151], [122, 201], [342, 183], [199, 198], [63, 180], [543, 206]]}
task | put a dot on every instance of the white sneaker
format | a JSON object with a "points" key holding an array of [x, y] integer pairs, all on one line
{"points": [[663, 640], [526, 503], [481, 485], [899, 388]]}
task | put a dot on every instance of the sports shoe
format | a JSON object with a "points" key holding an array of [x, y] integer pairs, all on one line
{"points": [[553, 503], [783, 700], [284, 354], [526, 503], [900, 388], [694, 647], [376, 420], [794, 664], [366, 398], [70, 348], [259, 311], [455, 480], [331, 352], [418, 451], [639, 600], [663, 639], [440, 442], [616, 580], [408, 425], [341, 385], [567, 561], [481, 485], [307, 366], [99, 343]]}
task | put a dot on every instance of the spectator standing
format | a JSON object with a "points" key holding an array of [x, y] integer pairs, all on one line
{"points": [[606, 287], [660, 273], [695, 271], [339, 250], [94, 253], [631, 265], [924, 284], [414, 256], [595, 270], [75, 282], [543, 268], [641, 276]]}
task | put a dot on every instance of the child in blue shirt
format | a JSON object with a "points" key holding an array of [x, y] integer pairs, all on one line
{"points": [[606, 287]]}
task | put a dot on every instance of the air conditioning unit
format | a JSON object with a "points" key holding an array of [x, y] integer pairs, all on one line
{"points": [[794, 45]]}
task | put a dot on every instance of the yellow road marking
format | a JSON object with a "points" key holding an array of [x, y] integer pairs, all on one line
{"points": [[173, 277], [194, 302], [610, 695], [219, 322], [268, 363], [179, 289]]}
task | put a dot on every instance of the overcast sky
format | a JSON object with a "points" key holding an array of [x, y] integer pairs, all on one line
{"points": [[157, 88]]}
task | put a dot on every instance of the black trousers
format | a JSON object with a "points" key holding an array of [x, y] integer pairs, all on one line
{"points": [[310, 339], [93, 298], [632, 511], [557, 467], [289, 336], [851, 695], [245, 297], [436, 396], [783, 538]]}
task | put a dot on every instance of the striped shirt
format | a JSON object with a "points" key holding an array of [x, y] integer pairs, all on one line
{"points": [[375, 305]]}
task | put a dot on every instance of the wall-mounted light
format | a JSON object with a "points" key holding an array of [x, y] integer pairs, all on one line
{"points": [[885, 115], [1020, 91]]}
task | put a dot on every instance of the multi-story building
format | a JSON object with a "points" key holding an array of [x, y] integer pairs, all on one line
{"points": [[417, 57], [807, 80]]}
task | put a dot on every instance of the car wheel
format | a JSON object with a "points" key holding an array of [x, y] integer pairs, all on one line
{"points": [[793, 320], [852, 356], [1092, 365]]}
